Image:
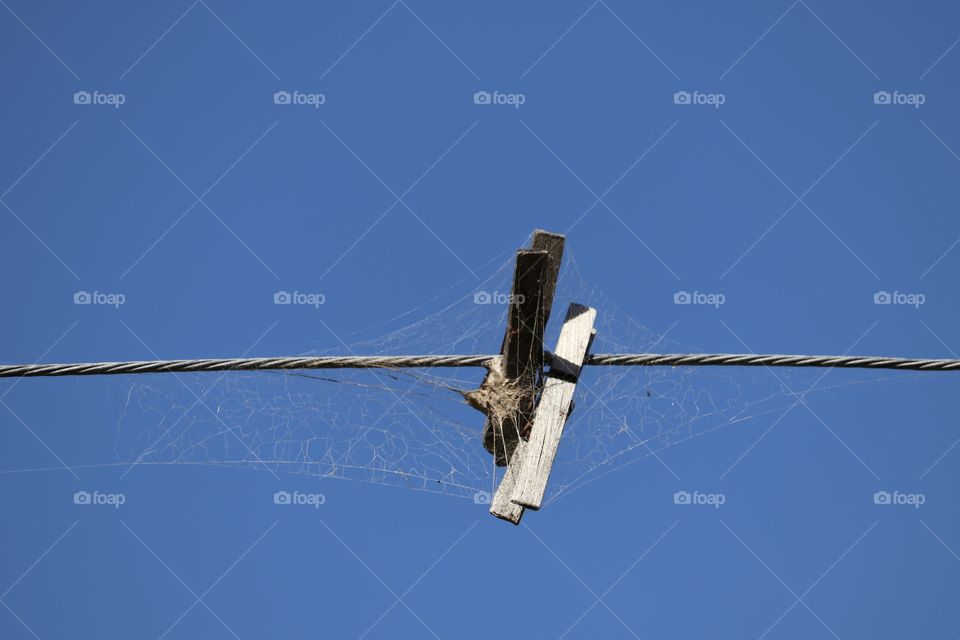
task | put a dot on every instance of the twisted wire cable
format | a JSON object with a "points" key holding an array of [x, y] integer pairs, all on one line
{"points": [[241, 364], [430, 361], [771, 360]]}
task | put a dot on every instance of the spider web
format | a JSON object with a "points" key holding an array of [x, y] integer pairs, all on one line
{"points": [[412, 428]]}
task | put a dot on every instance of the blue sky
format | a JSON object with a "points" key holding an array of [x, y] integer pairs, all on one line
{"points": [[186, 162]]}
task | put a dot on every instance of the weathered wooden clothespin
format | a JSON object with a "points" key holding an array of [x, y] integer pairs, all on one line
{"points": [[554, 406], [509, 392]]}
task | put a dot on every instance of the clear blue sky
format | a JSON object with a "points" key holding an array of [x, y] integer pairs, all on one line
{"points": [[741, 150]]}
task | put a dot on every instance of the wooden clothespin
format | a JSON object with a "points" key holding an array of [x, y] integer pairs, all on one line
{"points": [[525, 481], [509, 392], [521, 361], [554, 406]]}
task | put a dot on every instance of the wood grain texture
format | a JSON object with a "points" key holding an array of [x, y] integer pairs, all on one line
{"points": [[502, 504], [554, 407], [553, 244], [522, 355]]}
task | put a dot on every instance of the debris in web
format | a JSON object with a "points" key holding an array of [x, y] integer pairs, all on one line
{"points": [[416, 428]]}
